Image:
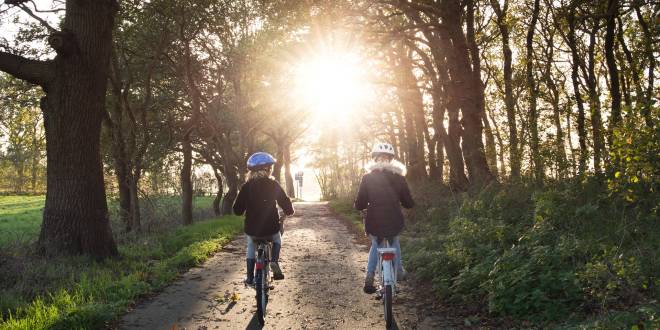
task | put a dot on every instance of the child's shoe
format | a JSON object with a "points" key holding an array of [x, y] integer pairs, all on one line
{"points": [[369, 287], [277, 271], [249, 280]]}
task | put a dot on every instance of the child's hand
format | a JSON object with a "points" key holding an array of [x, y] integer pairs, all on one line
{"points": [[282, 224]]}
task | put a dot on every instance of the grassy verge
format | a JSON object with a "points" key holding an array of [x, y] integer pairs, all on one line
{"points": [[79, 293], [345, 208]]}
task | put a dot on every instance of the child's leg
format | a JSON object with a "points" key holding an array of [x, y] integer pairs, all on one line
{"points": [[373, 255], [398, 260], [277, 246], [251, 250], [250, 260], [275, 257]]}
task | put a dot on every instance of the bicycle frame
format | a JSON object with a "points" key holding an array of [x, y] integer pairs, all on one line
{"points": [[388, 271], [386, 257]]}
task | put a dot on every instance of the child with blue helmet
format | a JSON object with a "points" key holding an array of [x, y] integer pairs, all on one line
{"points": [[258, 199]]}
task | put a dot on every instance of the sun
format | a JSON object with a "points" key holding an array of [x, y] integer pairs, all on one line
{"points": [[332, 84]]}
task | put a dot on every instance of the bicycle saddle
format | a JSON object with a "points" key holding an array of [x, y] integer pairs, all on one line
{"points": [[257, 240], [389, 239]]}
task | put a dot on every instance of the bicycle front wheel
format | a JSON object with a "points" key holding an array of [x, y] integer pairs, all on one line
{"points": [[387, 305]]}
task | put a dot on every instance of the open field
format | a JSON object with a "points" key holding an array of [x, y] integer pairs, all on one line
{"points": [[20, 216]]}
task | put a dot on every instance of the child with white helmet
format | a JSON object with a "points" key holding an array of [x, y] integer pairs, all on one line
{"points": [[258, 199], [383, 191]]}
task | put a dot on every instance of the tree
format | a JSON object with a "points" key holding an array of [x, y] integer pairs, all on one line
{"points": [[75, 216]]}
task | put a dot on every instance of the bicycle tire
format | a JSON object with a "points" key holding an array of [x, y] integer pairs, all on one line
{"points": [[262, 296], [387, 306]]}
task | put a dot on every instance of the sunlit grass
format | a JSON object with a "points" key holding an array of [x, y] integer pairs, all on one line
{"points": [[21, 216], [79, 293]]}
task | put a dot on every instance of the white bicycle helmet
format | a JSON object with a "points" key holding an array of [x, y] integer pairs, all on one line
{"points": [[382, 148]]}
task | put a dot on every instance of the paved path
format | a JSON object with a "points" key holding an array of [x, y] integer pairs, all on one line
{"points": [[324, 268]]}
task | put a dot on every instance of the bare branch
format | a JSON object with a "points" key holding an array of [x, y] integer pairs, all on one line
{"points": [[41, 20]]}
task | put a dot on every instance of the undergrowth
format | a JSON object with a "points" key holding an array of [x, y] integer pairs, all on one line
{"points": [[567, 255]]}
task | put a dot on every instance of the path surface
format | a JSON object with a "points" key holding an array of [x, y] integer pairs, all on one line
{"points": [[324, 269]]}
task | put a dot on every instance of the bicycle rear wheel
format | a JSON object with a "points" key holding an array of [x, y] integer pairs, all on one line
{"points": [[262, 295], [387, 305]]}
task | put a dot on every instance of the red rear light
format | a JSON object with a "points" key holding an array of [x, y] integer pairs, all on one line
{"points": [[388, 256], [260, 265]]}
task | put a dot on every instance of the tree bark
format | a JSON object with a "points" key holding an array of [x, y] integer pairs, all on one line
{"points": [[471, 102], [610, 59], [594, 100], [509, 102], [218, 196], [288, 176], [75, 217], [649, 50], [232, 191], [533, 96], [411, 103], [186, 181], [575, 79]]}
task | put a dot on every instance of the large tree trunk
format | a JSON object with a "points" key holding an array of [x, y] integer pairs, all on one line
{"points": [[75, 217]]}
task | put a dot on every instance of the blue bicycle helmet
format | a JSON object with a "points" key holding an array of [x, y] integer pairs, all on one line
{"points": [[260, 159]]}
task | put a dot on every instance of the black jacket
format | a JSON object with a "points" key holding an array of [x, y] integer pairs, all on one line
{"points": [[258, 199], [382, 193]]}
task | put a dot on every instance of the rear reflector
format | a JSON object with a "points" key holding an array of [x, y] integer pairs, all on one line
{"points": [[260, 265], [388, 256]]}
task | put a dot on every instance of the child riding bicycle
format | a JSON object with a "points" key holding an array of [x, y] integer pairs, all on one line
{"points": [[258, 199], [382, 192]]}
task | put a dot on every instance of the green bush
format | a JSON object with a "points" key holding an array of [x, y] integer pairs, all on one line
{"points": [[537, 254]]}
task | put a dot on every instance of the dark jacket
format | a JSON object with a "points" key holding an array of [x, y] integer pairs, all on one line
{"points": [[382, 192], [258, 199]]}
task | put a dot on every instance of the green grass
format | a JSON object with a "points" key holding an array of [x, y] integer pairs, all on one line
{"points": [[79, 293], [20, 216], [346, 209]]}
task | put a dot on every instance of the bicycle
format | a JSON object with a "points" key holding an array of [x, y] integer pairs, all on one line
{"points": [[387, 272], [262, 277]]}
